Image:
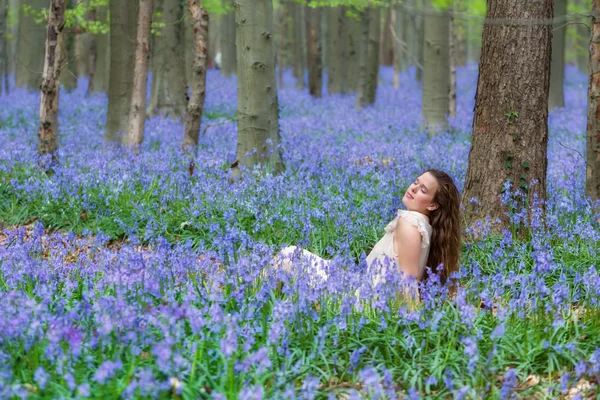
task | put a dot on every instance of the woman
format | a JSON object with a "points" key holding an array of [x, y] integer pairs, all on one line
{"points": [[427, 233]]}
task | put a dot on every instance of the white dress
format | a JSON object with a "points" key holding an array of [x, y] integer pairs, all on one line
{"points": [[381, 255]]}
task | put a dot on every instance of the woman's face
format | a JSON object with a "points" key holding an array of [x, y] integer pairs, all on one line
{"points": [[420, 194]]}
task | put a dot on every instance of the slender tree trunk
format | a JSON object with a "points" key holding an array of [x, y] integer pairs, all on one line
{"points": [[398, 33], [452, 65], [13, 44], [314, 56], [214, 41], [510, 125], [363, 59], [299, 53], [592, 182], [228, 51], [196, 103], [137, 113], [68, 75], [30, 57], [373, 54], [557, 72], [3, 47], [189, 45], [583, 39], [386, 39], [123, 33], [258, 109], [281, 49], [420, 45], [353, 53], [48, 128], [336, 41], [92, 53], [101, 74], [436, 74]]}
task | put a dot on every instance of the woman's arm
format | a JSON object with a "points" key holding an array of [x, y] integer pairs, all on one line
{"points": [[407, 247]]}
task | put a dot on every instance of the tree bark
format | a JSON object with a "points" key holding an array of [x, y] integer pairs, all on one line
{"points": [[452, 64], [436, 70], [280, 50], [299, 53], [48, 128], [3, 47], [363, 59], [557, 71], [30, 57], [92, 53], [373, 54], [13, 44], [196, 103], [123, 33], [314, 56], [214, 41], [258, 109], [69, 73], [397, 30], [353, 53], [510, 125], [420, 46], [336, 41], [386, 40], [228, 50], [592, 182], [101, 74], [137, 113]]}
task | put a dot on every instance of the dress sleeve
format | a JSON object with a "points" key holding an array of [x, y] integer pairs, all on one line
{"points": [[415, 220]]}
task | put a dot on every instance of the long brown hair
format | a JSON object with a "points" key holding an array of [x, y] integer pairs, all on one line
{"points": [[445, 224]]}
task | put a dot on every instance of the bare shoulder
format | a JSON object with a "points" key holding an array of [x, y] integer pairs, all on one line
{"points": [[407, 233]]}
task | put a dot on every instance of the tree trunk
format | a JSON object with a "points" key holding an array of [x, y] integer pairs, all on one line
{"points": [[557, 72], [30, 57], [352, 53], [48, 128], [101, 74], [214, 41], [436, 73], [189, 45], [299, 53], [137, 113], [386, 40], [510, 125], [314, 54], [92, 53], [3, 47], [583, 39], [280, 50], [420, 46], [168, 63], [228, 51], [13, 44], [592, 182], [123, 33], [373, 54], [452, 64], [398, 33], [196, 103], [68, 75], [363, 59], [258, 109], [336, 41]]}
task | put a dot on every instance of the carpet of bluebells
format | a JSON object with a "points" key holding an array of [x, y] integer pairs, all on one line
{"points": [[125, 276]]}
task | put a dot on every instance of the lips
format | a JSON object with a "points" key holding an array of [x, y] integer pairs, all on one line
{"points": [[409, 196]]}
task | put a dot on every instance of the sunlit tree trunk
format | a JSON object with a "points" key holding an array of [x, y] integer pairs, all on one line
{"points": [[228, 51], [557, 72], [436, 73], [510, 125], [314, 53], [30, 57], [48, 128], [299, 52], [137, 113], [258, 109], [336, 42], [123, 33], [592, 184], [196, 103]]}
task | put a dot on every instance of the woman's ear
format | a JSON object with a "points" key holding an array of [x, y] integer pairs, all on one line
{"points": [[433, 207]]}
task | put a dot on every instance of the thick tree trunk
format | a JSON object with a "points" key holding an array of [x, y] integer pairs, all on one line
{"points": [[452, 64], [363, 59], [299, 52], [228, 51], [557, 72], [196, 103], [386, 40], [123, 33], [48, 128], [92, 53], [436, 74], [137, 113], [352, 53], [510, 125], [258, 109], [30, 57], [336, 41], [3, 47], [314, 53], [101, 74], [169, 83], [592, 182]]}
